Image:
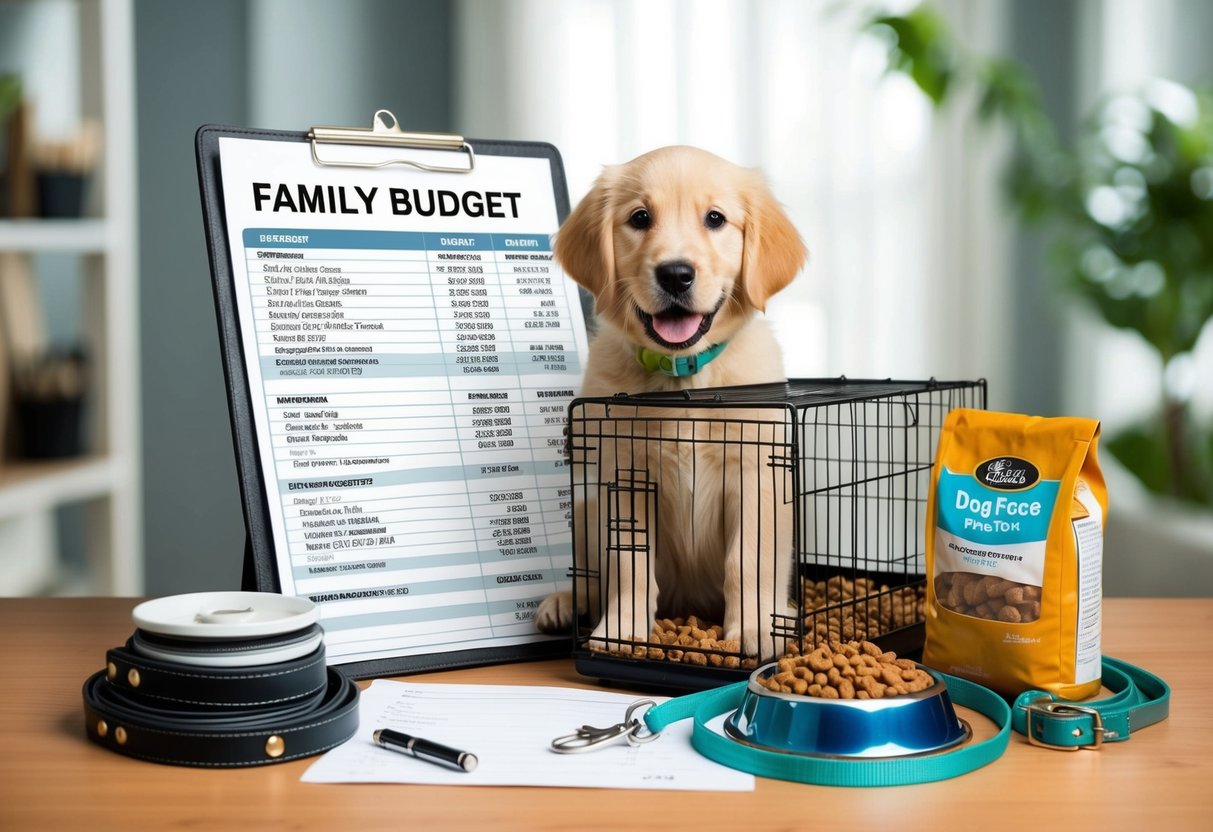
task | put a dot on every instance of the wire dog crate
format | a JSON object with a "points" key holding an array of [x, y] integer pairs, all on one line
{"points": [[716, 529]]}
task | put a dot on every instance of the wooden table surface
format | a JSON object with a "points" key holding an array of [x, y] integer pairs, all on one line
{"points": [[51, 777]]}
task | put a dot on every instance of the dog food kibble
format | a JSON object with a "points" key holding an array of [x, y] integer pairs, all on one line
{"points": [[983, 596], [692, 641], [841, 609], [837, 610], [854, 670], [687, 641]]}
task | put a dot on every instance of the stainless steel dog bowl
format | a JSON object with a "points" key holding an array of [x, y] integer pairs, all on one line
{"points": [[916, 723]]}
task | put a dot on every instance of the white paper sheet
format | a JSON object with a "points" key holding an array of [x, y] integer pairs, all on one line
{"points": [[509, 729]]}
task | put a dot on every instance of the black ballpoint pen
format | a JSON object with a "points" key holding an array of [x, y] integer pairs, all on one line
{"points": [[424, 749]]}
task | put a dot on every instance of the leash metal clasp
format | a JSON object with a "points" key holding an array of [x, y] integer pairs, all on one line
{"points": [[1041, 709], [632, 730]]}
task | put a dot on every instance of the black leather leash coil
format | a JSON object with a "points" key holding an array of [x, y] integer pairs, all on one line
{"points": [[173, 683], [192, 715]]}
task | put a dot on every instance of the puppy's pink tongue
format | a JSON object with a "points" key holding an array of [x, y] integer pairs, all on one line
{"points": [[675, 329]]}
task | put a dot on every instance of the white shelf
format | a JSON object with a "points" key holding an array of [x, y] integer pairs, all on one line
{"points": [[106, 484], [84, 236], [39, 486]]}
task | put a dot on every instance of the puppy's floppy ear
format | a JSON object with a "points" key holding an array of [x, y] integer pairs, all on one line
{"points": [[585, 244], [773, 251]]}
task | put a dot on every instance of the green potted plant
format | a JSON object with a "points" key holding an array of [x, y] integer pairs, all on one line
{"points": [[1130, 209], [1137, 243], [10, 100]]}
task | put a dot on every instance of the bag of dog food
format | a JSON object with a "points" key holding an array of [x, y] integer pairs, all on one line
{"points": [[1014, 549]]}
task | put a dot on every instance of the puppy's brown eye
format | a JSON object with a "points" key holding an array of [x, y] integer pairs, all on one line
{"points": [[714, 219], [640, 219]]}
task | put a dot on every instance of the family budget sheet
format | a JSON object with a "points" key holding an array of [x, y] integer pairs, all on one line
{"points": [[411, 350]]}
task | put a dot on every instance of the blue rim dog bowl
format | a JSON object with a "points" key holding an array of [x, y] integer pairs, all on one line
{"points": [[900, 726]]}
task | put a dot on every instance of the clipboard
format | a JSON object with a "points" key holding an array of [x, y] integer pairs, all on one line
{"points": [[445, 222]]}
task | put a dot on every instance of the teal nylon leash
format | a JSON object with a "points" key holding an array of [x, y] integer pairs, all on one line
{"points": [[828, 771], [1139, 699]]}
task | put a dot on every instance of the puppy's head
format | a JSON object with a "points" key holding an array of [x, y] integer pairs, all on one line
{"points": [[679, 247]]}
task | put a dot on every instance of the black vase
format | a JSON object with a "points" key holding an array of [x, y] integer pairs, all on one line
{"points": [[51, 429], [61, 195]]}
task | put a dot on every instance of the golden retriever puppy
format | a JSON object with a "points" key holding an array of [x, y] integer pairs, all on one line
{"points": [[681, 249]]}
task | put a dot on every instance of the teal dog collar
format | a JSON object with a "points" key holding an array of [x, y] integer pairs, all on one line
{"points": [[1139, 698], [680, 366]]}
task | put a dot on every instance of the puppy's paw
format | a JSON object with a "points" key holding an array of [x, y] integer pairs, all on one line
{"points": [[749, 642], [753, 644], [556, 613]]}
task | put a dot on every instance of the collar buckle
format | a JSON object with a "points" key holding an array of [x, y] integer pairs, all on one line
{"points": [[1039, 711]]}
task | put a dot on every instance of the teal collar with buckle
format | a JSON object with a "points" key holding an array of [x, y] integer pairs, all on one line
{"points": [[1139, 698], [680, 366]]}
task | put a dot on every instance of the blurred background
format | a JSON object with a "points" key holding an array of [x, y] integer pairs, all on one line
{"points": [[1015, 190]]}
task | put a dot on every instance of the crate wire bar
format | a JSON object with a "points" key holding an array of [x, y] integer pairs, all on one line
{"points": [[827, 476]]}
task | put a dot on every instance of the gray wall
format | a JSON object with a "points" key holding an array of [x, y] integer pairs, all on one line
{"points": [[191, 68], [358, 56], [268, 63], [1043, 37], [1191, 59]]}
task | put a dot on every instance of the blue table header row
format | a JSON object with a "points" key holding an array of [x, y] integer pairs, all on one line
{"points": [[278, 238]]}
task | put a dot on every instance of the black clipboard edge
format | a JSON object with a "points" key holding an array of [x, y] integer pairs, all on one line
{"points": [[561, 648], [260, 571]]}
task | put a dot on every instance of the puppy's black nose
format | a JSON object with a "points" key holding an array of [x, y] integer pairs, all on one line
{"points": [[676, 277]]}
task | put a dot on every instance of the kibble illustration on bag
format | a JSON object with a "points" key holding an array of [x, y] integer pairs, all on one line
{"points": [[1015, 552]]}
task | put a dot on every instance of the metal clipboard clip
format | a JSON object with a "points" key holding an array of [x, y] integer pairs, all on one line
{"points": [[385, 132]]}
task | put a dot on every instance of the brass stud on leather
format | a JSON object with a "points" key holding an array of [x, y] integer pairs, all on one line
{"points": [[111, 671], [120, 735], [102, 728], [275, 746], [133, 678]]}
